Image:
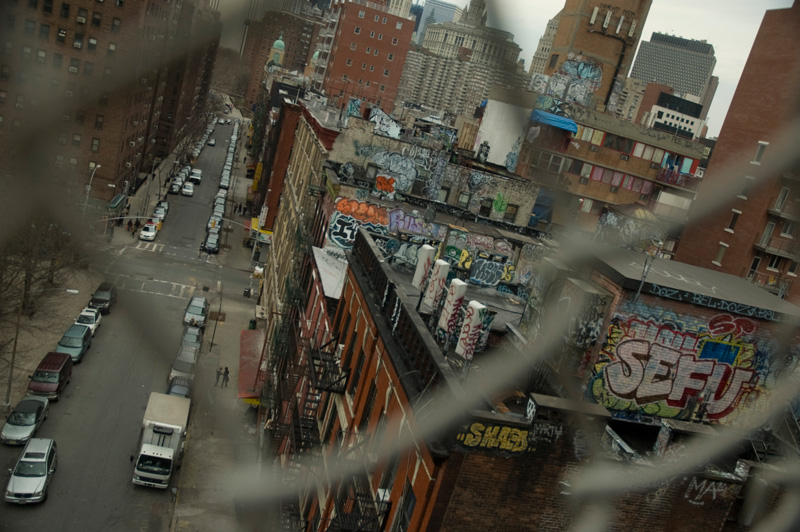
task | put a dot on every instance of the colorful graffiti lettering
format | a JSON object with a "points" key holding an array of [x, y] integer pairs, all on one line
{"points": [[363, 211], [384, 125], [494, 437], [490, 272], [384, 185], [654, 367]]}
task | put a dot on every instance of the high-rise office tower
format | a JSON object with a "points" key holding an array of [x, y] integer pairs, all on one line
{"points": [[542, 53], [435, 12]]}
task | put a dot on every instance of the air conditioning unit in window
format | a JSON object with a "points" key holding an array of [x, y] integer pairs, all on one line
{"points": [[593, 147], [132, 144], [624, 156], [127, 165], [77, 44], [81, 20], [74, 70], [141, 139], [614, 190], [135, 122]]}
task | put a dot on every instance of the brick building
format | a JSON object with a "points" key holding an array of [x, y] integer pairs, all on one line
{"points": [[97, 74], [364, 49], [754, 234], [593, 49]]}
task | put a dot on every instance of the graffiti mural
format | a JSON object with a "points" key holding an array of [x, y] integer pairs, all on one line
{"points": [[384, 125], [354, 107], [576, 80], [491, 270], [675, 367], [512, 157], [350, 214], [499, 438], [539, 83]]}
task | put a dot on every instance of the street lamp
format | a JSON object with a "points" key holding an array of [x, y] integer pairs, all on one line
{"points": [[7, 403], [89, 188]]}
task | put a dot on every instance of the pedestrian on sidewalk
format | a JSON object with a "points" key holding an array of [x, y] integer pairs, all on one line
{"points": [[219, 374], [130, 225], [136, 225], [238, 208], [225, 378]]}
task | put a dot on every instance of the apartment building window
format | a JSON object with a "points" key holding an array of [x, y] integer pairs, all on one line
{"points": [[723, 247], [380, 36], [792, 270], [775, 263], [44, 31], [47, 7], [553, 61], [586, 204], [73, 161], [377, 18], [363, 66], [27, 52], [361, 13], [372, 35], [383, 88], [463, 200], [76, 139], [734, 218], [383, 21], [615, 142], [759, 152], [95, 145], [97, 19], [442, 193], [788, 229], [376, 52], [57, 58], [353, 46], [92, 45], [368, 50], [61, 37], [83, 16], [78, 42], [394, 41], [485, 208], [386, 73], [407, 505], [349, 62], [372, 68], [391, 57], [356, 376], [115, 24], [511, 213], [345, 77], [357, 30], [64, 10], [88, 68], [112, 49], [368, 406], [30, 26], [41, 56], [74, 65], [746, 186], [399, 26]]}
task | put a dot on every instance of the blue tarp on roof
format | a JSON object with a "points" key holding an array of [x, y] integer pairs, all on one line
{"points": [[554, 120]]}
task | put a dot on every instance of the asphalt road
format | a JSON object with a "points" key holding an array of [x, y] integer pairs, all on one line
{"points": [[96, 423]]}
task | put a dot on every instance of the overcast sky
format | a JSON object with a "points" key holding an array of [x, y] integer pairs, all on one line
{"points": [[729, 25]]}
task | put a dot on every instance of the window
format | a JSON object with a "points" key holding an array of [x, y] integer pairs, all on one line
{"points": [[62, 137], [368, 50], [95, 145], [115, 24], [88, 68], [553, 61], [112, 48], [759, 152], [47, 7], [62, 35], [372, 68], [788, 229], [723, 247], [361, 13], [368, 406], [386, 73], [383, 87], [380, 36], [376, 52], [399, 26], [356, 376], [64, 10], [30, 26], [353, 46], [363, 66], [734, 218], [57, 60], [97, 18], [119, 3], [774, 263], [80, 116], [349, 62], [586, 204], [78, 42], [73, 161], [74, 64], [76, 139], [407, 505], [792, 270], [107, 72], [357, 30], [377, 18], [372, 34], [748, 184], [345, 77], [485, 208], [44, 31], [92, 46], [394, 41], [83, 16], [27, 52], [41, 56], [510, 214], [383, 21], [441, 194], [463, 200], [391, 57]]}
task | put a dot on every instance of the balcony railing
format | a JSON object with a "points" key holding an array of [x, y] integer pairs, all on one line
{"points": [[324, 369], [789, 210], [678, 179], [774, 283], [782, 247]]}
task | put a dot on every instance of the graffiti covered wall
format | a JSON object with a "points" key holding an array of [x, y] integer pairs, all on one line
{"points": [[691, 365]]}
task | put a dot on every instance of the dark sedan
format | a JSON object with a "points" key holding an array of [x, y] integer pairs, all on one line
{"points": [[25, 420]]}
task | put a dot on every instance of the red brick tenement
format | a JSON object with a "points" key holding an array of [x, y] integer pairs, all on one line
{"points": [[367, 54]]}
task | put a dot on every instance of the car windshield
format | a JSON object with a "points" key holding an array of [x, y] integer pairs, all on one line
{"points": [[191, 337], [183, 366], [30, 469], [102, 295], [154, 464], [179, 390], [195, 309], [45, 376], [70, 341], [86, 318], [22, 419]]}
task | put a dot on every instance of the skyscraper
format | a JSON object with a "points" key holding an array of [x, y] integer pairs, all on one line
{"points": [[434, 12], [539, 59], [686, 65]]}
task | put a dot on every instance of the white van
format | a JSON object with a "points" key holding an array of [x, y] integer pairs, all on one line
{"points": [[195, 176]]}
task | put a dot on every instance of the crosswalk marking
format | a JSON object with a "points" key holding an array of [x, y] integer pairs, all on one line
{"points": [[150, 246]]}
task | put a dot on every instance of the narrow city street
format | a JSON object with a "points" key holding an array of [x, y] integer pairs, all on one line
{"points": [[96, 423]]}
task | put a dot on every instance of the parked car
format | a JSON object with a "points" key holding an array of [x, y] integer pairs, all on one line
{"points": [[192, 336], [187, 189], [90, 317], [196, 312], [104, 297], [163, 204], [221, 121], [211, 244], [26, 418], [213, 221], [212, 142], [33, 472], [185, 363], [196, 176], [160, 214], [175, 188], [181, 387], [148, 232], [76, 341], [52, 375]]}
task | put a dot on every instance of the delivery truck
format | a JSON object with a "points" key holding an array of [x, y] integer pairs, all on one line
{"points": [[161, 441]]}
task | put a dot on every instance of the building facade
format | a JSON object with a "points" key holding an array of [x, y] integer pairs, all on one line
{"points": [[593, 50], [542, 54], [753, 234], [435, 12], [364, 50], [103, 68]]}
